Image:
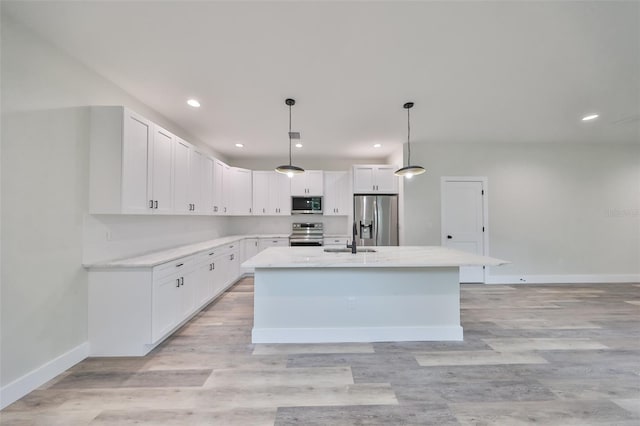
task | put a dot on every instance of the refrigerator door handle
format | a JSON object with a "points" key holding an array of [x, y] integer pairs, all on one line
{"points": [[375, 219]]}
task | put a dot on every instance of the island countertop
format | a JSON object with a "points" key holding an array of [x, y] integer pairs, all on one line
{"points": [[383, 257]]}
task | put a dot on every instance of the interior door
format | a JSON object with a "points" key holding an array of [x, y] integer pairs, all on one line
{"points": [[463, 223]]}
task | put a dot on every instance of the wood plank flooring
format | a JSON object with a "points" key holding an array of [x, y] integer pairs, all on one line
{"points": [[545, 354]]}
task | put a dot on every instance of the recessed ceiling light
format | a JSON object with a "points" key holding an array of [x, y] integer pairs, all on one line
{"points": [[298, 145], [378, 145], [589, 117], [193, 103], [239, 145]]}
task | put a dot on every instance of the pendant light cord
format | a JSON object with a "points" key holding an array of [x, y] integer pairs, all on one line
{"points": [[408, 137], [289, 134]]}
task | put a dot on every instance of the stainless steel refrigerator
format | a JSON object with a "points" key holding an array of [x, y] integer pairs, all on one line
{"points": [[376, 220]]}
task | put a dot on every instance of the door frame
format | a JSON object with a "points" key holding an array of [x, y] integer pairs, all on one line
{"points": [[485, 212]]}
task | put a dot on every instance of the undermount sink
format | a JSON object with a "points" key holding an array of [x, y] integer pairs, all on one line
{"points": [[348, 250]]}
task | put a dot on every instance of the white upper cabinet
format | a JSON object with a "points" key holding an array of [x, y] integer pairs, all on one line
{"points": [[197, 178], [181, 200], [193, 180], [131, 162], [271, 194], [310, 183], [375, 179], [280, 194], [162, 171], [205, 205], [261, 205], [337, 194], [240, 190], [221, 172]]}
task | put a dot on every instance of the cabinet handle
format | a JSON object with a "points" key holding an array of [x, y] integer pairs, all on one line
{"points": [[215, 209], [263, 211], [213, 266], [156, 204], [231, 257], [225, 209], [212, 253], [181, 280], [256, 243], [179, 265], [231, 246], [210, 266], [150, 204], [178, 282]]}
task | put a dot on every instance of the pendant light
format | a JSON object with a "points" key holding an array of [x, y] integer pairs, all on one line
{"points": [[288, 169], [409, 171]]}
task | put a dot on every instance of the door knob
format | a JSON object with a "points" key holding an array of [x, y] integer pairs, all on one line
{"points": [[449, 237]]}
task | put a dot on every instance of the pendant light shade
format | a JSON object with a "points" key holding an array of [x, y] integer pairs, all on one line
{"points": [[409, 170], [289, 169]]}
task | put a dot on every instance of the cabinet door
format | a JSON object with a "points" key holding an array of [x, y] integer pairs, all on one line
{"points": [[218, 187], [206, 199], [363, 179], [298, 184], [228, 185], [137, 143], [315, 182], [162, 171], [337, 194], [165, 306], [187, 293], [181, 201], [233, 266], [308, 183], [386, 182], [219, 274], [262, 192], [331, 189], [242, 199], [282, 195], [196, 161]]}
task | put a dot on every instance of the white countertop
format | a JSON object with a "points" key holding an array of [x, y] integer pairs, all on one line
{"points": [[155, 258], [384, 257]]}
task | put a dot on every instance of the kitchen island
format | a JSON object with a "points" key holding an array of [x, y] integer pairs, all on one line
{"points": [[306, 295]]}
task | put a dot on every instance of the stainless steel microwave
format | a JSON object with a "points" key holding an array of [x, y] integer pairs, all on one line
{"points": [[306, 205]]}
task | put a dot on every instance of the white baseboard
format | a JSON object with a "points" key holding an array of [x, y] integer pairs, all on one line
{"points": [[564, 279], [356, 334], [41, 375]]}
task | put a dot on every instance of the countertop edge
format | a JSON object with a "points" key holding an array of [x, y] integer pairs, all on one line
{"points": [[171, 254]]}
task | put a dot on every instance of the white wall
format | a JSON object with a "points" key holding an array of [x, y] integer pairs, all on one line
{"points": [[44, 180], [332, 164], [554, 209]]}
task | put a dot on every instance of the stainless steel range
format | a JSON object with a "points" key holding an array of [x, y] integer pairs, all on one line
{"points": [[306, 234]]}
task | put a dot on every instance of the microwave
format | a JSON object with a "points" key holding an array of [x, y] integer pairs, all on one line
{"points": [[306, 205]]}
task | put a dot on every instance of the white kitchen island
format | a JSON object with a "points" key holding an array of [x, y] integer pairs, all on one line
{"points": [[305, 295]]}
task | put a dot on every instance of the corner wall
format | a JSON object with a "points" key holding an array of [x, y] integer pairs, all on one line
{"points": [[555, 210], [45, 158]]}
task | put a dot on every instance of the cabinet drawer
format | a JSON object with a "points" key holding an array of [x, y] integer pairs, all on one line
{"points": [[177, 266], [336, 241]]}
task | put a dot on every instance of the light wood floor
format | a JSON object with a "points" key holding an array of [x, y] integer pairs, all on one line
{"points": [[551, 355]]}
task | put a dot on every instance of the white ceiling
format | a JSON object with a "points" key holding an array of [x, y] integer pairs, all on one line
{"points": [[477, 71]]}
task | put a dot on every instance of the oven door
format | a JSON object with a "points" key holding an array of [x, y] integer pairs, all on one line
{"points": [[301, 242]]}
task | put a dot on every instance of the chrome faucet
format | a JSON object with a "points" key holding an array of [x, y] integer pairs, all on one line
{"points": [[353, 240]]}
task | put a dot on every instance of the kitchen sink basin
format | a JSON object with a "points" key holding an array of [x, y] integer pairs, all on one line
{"points": [[348, 250]]}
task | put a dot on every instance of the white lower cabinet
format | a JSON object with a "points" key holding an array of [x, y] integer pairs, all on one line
{"points": [[248, 249], [272, 242], [131, 310], [336, 241]]}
